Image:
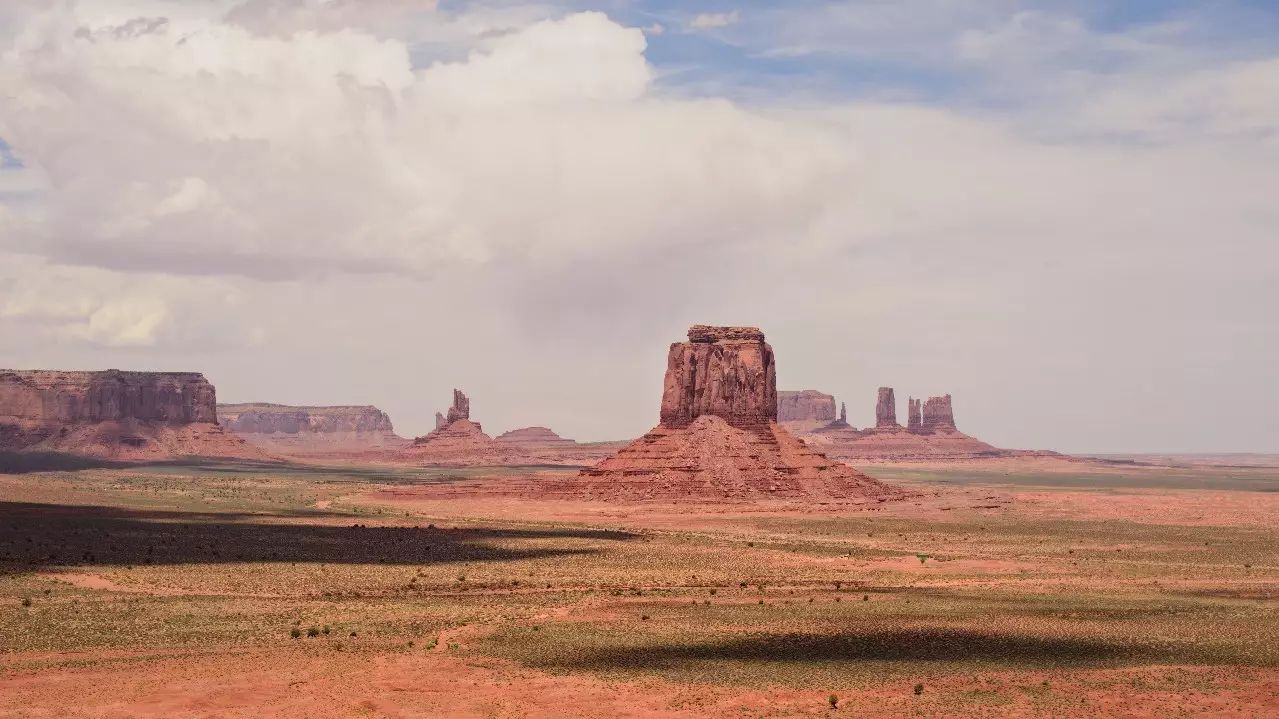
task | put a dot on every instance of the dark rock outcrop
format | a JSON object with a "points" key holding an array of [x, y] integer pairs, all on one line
{"points": [[439, 420], [886, 409], [805, 405]]}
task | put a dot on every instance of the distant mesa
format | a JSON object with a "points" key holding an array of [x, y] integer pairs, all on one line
{"points": [[718, 436], [534, 438], [310, 429], [114, 414], [930, 434], [458, 441], [805, 410]]}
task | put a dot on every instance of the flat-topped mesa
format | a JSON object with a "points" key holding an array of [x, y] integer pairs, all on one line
{"points": [[886, 409], [727, 372], [938, 414], [461, 408], [914, 417], [128, 415], [805, 405], [84, 397], [267, 418]]}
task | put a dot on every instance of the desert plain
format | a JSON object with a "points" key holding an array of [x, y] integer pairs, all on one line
{"points": [[1029, 587]]}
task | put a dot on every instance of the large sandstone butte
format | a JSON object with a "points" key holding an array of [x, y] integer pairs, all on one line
{"points": [[805, 410], [305, 430], [718, 436], [115, 414], [938, 414]]}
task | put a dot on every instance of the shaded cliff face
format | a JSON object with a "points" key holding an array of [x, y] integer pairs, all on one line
{"points": [[805, 405], [122, 415], [727, 372], [283, 419], [52, 397]]}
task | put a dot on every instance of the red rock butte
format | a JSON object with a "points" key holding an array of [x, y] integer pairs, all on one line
{"points": [[718, 436], [457, 441], [124, 415]]}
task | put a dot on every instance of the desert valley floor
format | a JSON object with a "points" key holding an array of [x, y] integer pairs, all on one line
{"points": [[997, 589]]}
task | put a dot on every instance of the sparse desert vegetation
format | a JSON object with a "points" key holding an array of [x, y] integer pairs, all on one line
{"points": [[977, 597]]}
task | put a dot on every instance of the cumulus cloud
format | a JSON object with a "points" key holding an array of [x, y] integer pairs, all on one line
{"points": [[385, 222]]}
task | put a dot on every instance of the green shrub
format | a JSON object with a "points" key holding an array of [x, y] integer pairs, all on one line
{"points": [[919, 689], [26, 601], [313, 631], [295, 632], [833, 701]]}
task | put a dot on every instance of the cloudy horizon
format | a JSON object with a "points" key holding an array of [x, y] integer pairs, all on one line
{"points": [[1061, 213]]}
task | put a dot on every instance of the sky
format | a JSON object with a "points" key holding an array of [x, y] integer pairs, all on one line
{"points": [[1062, 213]]}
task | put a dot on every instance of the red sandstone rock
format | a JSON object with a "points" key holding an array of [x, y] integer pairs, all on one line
{"points": [[461, 408], [310, 430], [723, 371], [718, 438], [439, 420], [125, 415], [914, 419], [805, 405], [886, 409], [938, 415], [533, 437]]}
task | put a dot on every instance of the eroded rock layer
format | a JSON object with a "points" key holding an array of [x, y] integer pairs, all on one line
{"points": [[886, 409], [723, 371], [458, 441], [805, 405], [116, 414]]}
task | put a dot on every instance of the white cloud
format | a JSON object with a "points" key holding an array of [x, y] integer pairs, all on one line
{"points": [[712, 20], [215, 182]]}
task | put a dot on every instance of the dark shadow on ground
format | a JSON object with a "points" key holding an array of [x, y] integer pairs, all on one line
{"points": [[905, 645], [33, 536], [30, 462]]}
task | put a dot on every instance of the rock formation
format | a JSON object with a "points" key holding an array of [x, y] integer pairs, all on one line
{"points": [[534, 437], [723, 371], [843, 413], [461, 408], [805, 405], [938, 415], [718, 437], [914, 420], [126, 415], [886, 409], [459, 441], [306, 430], [439, 420]]}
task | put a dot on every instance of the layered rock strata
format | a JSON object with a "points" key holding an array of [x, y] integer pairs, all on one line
{"points": [[718, 436], [914, 418], [124, 415], [459, 441], [805, 405]]}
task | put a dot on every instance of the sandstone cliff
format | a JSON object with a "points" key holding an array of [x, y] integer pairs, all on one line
{"points": [[459, 441], [723, 371], [127, 415], [805, 405], [914, 418]]}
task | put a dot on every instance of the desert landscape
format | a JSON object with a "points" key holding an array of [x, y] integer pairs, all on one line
{"points": [[717, 566], [507, 359]]}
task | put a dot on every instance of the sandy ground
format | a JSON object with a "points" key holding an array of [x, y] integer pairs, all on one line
{"points": [[456, 675]]}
